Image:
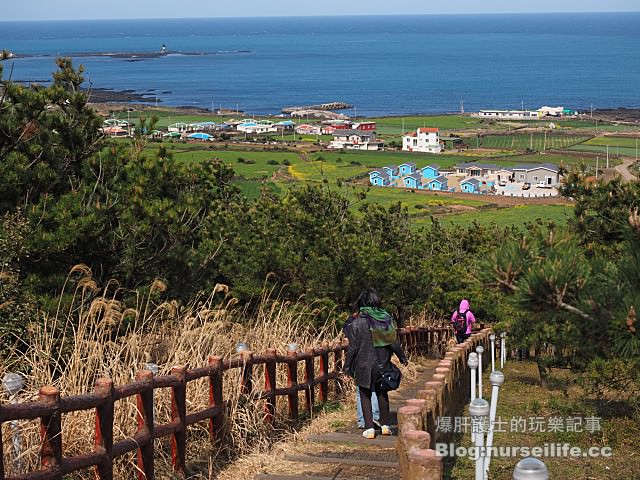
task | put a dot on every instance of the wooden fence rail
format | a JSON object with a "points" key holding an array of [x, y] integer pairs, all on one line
{"points": [[51, 406]]}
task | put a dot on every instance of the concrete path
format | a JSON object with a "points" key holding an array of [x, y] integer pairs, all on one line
{"points": [[623, 170]]}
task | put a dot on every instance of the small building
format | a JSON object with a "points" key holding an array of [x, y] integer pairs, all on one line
{"points": [[355, 140], [474, 169], [308, 130], [178, 127], [440, 184], [470, 185], [392, 171], [536, 173], [364, 126], [199, 136], [412, 181], [430, 171], [407, 168], [115, 131], [422, 140], [505, 174], [451, 142], [379, 178], [510, 114]]}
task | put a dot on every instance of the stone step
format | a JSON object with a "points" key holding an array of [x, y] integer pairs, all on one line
{"points": [[311, 459], [353, 438]]}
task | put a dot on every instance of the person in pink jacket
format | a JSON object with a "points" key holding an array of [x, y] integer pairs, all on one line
{"points": [[462, 321]]}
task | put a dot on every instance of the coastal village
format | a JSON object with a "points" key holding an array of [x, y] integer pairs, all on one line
{"points": [[337, 132]]}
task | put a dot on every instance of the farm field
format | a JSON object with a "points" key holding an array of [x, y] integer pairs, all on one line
{"points": [[614, 151], [394, 125], [535, 142], [628, 142]]}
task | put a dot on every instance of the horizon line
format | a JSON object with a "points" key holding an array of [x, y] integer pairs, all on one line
{"points": [[323, 16]]}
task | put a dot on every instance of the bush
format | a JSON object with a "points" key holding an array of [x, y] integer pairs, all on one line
{"points": [[273, 162], [286, 162], [355, 163]]}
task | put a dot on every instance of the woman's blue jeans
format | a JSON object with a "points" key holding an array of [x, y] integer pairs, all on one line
{"points": [[374, 407]]}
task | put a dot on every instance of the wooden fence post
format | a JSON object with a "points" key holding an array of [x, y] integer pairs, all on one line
{"points": [[246, 380], [145, 425], [324, 372], [337, 367], [179, 414], [51, 430], [216, 424], [309, 378], [270, 385], [104, 428], [292, 381], [1, 450]]}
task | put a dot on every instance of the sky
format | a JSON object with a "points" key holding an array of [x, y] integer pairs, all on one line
{"points": [[107, 9]]}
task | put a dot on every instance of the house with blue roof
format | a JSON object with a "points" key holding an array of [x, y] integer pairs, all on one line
{"points": [[430, 171], [470, 185], [379, 178], [413, 181], [439, 183], [392, 171], [407, 168]]}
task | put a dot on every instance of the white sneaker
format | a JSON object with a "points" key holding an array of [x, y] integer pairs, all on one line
{"points": [[386, 430], [370, 433]]}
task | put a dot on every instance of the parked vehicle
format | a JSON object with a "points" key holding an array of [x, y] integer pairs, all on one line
{"points": [[526, 186], [502, 183], [543, 185]]}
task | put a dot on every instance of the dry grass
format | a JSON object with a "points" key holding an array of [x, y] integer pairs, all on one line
{"points": [[98, 336]]}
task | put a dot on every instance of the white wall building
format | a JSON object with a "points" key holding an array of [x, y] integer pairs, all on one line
{"points": [[422, 140]]}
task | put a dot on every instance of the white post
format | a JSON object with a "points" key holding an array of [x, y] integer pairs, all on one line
{"points": [[479, 350], [497, 379], [530, 468], [479, 409], [492, 338], [503, 353], [472, 362]]}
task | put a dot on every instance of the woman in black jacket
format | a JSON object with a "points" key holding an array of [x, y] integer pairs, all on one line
{"points": [[373, 339]]}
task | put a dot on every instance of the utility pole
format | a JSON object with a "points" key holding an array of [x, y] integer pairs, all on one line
{"points": [[607, 156], [597, 162], [531, 143], [636, 149], [544, 146]]}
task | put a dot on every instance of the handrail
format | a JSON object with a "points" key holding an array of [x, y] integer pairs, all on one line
{"points": [[51, 406]]}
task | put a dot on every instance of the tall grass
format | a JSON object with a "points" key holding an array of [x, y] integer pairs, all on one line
{"points": [[94, 334]]}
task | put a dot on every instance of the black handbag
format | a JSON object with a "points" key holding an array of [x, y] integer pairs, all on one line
{"points": [[390, 377]]}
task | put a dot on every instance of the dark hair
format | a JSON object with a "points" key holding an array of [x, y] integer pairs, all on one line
{"points": [[368, 298]]}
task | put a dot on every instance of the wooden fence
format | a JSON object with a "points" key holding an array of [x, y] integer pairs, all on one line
{"points": [[51, 406]]}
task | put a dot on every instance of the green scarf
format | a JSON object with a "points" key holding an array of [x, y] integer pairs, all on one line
{"points": [[381, 325]]}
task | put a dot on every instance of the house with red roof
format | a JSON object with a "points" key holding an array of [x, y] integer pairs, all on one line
{"points": [[422, 140]]}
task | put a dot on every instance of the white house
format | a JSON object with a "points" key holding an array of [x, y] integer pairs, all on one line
{"points": [[422, 140], [355, 140]]}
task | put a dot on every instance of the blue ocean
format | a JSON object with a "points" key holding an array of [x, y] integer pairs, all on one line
{"points": [[389, 65]]}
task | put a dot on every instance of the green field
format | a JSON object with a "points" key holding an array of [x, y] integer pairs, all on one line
{"points": [[260, 169], [614, 151], [517, 215], [534, 142], [401, 125], [628, 142]]}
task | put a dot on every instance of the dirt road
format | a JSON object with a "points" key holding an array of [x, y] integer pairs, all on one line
{"points": [[623, 170]]}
